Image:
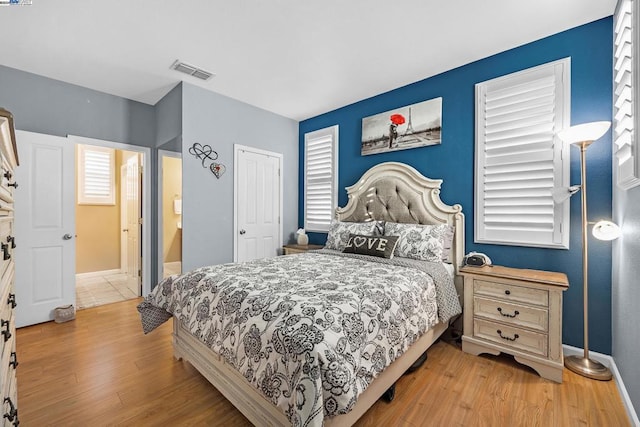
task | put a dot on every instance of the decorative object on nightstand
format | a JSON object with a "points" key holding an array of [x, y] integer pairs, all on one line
{"points": [[582, 136], [515, 311], [301, 237], [296, 249]]}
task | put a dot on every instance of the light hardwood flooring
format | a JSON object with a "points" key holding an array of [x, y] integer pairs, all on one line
{"points": [[101, 370]]}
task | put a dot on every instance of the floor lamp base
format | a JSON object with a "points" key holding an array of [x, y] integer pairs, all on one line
{"points": [[587, 368]]}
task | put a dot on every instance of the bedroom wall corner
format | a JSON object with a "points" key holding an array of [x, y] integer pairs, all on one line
{"points": [[590, 49], [219, 121]]}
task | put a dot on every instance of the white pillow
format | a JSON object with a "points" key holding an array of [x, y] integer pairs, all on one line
{"points": [[423, 242], [339, 232]]}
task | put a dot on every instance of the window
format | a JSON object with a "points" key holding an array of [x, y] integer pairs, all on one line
{"points": [[519, 159], [96, 175], [320, 178], [626, 93]]}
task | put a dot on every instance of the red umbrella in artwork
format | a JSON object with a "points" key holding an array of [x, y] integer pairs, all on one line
{"points": [[397, 119]]}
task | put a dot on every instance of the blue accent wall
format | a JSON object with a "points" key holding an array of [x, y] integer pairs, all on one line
{"points": [[590, 49]]}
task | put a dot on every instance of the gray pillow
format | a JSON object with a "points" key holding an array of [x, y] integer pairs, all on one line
{"points": [[423, 242], [339, 232], [380, 246]]}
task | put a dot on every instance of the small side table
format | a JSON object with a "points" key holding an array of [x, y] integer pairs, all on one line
{"points": [[296, 249], [515, 311]]}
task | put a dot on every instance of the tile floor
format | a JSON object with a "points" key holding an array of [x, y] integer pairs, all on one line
{"points": [[172, 268], [99, 290], [108, 288]]}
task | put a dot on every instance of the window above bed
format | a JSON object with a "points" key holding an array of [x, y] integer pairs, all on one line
{"points": [[320, 178], [519, 159]]}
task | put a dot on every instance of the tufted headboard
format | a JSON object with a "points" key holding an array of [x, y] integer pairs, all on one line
{"points": [[397, 192]]}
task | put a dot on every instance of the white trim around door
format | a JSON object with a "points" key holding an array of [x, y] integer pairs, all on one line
{"points": [[236, 149], [146, 199], [161, 154]]}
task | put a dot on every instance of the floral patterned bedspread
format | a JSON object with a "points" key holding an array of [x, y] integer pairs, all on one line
{"points": [[309, 331]]}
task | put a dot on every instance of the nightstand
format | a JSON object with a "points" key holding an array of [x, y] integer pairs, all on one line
{"points": [[515, 311], [296, 249]]}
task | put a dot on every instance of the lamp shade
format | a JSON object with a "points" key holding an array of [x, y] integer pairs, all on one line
{"points": [[606, 230], [584, 132]]}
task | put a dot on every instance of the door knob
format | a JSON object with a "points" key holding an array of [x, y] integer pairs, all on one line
{"points": [[242, 231], [67, 237]]}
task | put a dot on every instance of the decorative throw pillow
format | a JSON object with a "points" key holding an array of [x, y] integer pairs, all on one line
{"points": [[424, 242], [339, 232], [380, 246]]}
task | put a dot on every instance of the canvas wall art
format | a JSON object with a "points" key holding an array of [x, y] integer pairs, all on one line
{"points": [[413, 126]]}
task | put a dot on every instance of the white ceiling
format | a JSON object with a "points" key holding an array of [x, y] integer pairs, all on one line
{"points": [[297, 58]]}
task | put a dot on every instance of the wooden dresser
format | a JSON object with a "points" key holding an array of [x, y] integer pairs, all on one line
{"points": [[8, 360], [515, 311]]}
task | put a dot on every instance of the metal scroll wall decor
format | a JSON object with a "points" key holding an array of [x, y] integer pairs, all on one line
{"points": [[208, 157]]}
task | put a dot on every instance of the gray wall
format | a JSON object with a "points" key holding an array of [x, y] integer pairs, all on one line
{"points": [[626, 290], [48, 106], [44, 105], [169, 120], [221, 122]]}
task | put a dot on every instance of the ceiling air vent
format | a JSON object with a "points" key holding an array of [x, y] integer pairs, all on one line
{"points": [[191, 70]]}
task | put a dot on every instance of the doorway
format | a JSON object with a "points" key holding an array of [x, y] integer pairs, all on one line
{"points": [[108, 222], [46, 219], [169, 213]]}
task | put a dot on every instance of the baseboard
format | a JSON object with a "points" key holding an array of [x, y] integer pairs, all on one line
{"points": [[609, 362], [98, 273]]}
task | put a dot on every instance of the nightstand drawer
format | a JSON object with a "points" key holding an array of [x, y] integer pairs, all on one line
{"points": [[508, 336], [298, 249], [513, 314], [511, 292]]}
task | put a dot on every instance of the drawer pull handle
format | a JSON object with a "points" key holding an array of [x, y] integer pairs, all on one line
{"points": [[515, 336], [12, 240], [13, 184], [5, 251], [12, 300], [515, 313], [13, 412], [5, 332], [507, 292], [8, 175], [13, 360]]}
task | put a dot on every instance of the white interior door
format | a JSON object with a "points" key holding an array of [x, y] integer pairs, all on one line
{"points": [[132, 189], [45, 224], [258, 204], [124, 231]]}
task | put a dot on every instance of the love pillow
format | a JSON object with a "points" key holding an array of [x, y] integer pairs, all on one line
{"points": [[380, 246]]}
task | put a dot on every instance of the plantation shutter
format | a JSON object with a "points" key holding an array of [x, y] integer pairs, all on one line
{"points": [[96, 175], [519, 160], [625, 93], [320, 178]]}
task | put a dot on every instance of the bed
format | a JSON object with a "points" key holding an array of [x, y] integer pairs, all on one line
{"points": [[317, 338]]}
